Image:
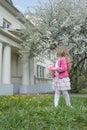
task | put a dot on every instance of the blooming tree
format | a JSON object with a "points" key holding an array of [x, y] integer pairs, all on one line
{"points": [[54, 23]]}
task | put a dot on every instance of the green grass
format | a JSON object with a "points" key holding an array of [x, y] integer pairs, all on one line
{"points": [[36, 112]]}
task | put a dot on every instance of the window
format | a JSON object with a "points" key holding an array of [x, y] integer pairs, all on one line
{"points": [[6, 24], [40, 71]]}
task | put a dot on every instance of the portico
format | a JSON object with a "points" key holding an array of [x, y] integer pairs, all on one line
{"points": [[13, 71], [8, 76], [9, 64]]}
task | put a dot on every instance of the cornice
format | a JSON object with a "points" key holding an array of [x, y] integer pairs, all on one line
{"points": [[13, 10]]}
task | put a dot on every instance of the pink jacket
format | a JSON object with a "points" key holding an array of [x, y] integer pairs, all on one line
{"points": [[62, 68]]}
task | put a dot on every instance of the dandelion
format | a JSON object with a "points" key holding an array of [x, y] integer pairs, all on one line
{"points": [[34, 97], [14, 97]]}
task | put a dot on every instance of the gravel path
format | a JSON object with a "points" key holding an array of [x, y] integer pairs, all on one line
{"points": [[79, 95]]}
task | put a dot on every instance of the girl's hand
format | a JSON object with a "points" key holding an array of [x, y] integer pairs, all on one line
{"points": [[53, 69]]}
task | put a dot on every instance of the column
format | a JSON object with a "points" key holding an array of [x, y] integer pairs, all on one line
{"points": [[0, 62], [25, 72], [7, 65], [31, 68]]}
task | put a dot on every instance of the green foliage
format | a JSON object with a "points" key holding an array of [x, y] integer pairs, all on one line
{"points": [[36, 112], [83, 91]]}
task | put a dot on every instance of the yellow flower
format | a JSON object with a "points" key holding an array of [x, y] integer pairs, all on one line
{"points": [[34, 97], [14, 97]]}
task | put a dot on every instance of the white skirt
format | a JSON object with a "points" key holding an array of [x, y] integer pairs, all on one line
{"points": [[61, 84]]}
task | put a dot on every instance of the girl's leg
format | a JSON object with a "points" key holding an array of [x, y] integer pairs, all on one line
{"points": [[67, 98], [56, 98]]}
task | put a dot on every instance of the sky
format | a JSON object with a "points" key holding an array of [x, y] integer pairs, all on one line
{"points": [[24, 5]]}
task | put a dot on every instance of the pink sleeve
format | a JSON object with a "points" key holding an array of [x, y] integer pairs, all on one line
{"points": [[62, 65]]}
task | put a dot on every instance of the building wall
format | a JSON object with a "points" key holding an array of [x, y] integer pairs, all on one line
{"points": [[13, 70], [45, 78], [7, 41], [4, 14]]}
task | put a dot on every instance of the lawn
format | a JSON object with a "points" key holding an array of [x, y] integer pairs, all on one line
{"points": [[36, 112]]}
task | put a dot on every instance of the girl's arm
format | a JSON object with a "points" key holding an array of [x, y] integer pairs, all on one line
{"points": [[62, 65], [53, 69]]}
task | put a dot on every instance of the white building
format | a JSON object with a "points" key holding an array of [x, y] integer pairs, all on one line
{"points": [[15, 76]]}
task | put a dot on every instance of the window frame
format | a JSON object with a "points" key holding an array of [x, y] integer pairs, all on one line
{"points": [[6, 24], [40, 71]]}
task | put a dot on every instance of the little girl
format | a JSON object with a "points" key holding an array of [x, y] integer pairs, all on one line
{"points": [[60, 74]]}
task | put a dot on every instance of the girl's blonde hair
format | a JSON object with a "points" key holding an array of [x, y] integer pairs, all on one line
{"points": [[63, 52]]}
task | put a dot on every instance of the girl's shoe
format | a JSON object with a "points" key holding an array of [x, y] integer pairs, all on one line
{"points": [[71, 106]]}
